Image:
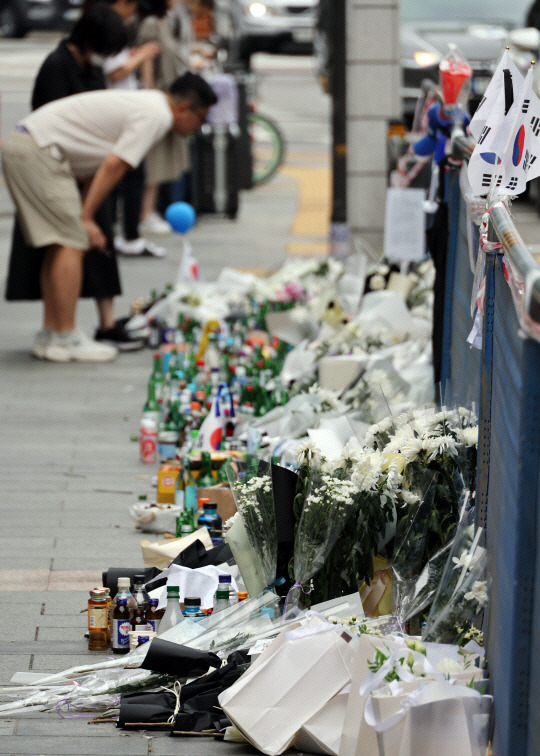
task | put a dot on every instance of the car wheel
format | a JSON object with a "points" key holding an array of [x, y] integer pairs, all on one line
{"points": [[12, 19]]}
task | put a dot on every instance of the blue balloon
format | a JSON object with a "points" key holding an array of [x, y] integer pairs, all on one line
{"points": [[180, 216]]}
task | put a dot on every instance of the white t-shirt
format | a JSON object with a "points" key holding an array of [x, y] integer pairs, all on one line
{"points": [[87, 127], [113, 62]]}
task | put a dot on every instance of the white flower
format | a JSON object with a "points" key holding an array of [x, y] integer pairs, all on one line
{"points": [[308, 452], [411, 448], [449, 667], [478, 592], [366, 472], [418, 669], [470, 436], [409, 498], [351, 453], [377, 282], [466, 560]]}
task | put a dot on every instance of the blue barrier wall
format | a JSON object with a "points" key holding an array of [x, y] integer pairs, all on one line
{"points": [[512, 409], [460, 365], [505, 376]]}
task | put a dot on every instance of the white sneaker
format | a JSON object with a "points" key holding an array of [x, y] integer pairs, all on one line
{"points": [[41, 342], [138, 248], [76, 346], [131, 248], [155, 224]]}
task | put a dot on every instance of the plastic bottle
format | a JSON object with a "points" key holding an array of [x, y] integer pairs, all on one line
{"points": [[139, 592], [225, 584], [98, 620], [211, 520], [173, 613], [153, 615], [121, 626], [192, 609], [221, 600], [200, 510], [148, 440]]}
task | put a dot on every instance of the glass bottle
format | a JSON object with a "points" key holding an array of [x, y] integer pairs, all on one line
{"points": [[190, 487], [173, 613], [206, 479], [153, 615], [157, 379], [121, 626], [98, 620], [187, 526], [139, 592], [151, 409], [109, 612], [225, 584], [138, 621], [192, 609], [200, 510], [221, 600], [211, 520], [179, 491]]}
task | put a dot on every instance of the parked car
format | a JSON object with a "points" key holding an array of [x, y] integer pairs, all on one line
{"points": [[248, 26], [479, 28], [18, 17]]}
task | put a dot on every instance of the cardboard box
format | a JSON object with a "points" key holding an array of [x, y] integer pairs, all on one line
{"points": [[223, 496], [166, 483]]}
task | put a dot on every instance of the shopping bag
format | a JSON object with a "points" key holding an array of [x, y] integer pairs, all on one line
{"points": [[289, 682], [437, 719], [322, 732]]}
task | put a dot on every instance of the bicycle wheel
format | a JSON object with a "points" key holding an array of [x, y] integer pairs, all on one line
{"points": [[267, 147]]}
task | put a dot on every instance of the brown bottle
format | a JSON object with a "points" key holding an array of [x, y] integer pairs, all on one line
{"points": [[138, 621], [98, 620], [121, 625], [153, 615]]}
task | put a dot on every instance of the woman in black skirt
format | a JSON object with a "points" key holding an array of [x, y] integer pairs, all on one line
{"points": [[69, 70]]}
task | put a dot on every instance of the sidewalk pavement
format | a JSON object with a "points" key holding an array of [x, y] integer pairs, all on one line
{"points": [[70, 471]]}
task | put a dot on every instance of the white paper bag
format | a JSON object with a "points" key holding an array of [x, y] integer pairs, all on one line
{"points": [[290, 682], [322, 733]]}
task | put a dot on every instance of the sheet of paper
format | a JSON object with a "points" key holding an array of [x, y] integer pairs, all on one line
{"points": [[404, 225]]}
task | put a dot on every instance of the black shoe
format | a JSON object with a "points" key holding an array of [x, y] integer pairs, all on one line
{"points": [[119, 337]]}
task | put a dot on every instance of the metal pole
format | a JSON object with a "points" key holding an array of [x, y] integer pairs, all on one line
{"points": [[337, 88]]}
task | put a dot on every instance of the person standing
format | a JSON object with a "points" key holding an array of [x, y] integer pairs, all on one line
{"points": [[165, 162], [94, 137], [69, 70]]}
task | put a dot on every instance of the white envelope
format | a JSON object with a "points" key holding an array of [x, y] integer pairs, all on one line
{"points": [[290, 682]]}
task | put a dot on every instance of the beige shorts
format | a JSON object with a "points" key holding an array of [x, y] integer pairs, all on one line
{"points": [[45, 193]]}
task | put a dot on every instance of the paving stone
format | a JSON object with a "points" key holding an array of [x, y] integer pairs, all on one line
{"points": [[127, 745]]}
